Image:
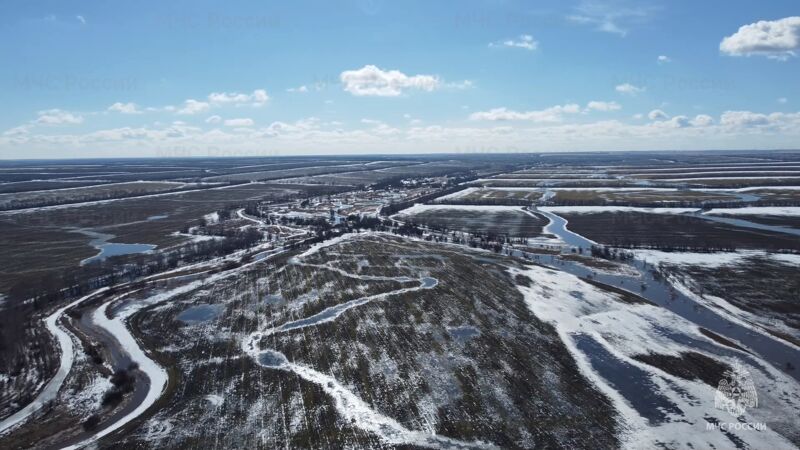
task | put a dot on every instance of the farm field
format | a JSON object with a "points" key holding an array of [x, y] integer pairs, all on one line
{"points": [[87, 194], [643, 196], [638, 229], [756, 288], [501, 220], [488, 195]]}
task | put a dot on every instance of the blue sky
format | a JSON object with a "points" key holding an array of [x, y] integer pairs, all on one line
{"points": [[198, 78]]}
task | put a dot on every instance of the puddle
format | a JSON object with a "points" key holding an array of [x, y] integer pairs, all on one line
{"points": [[746, 197], [158, 217], [270, 358], [429, 282], [273, 299], [464, 333], [199, 313]]}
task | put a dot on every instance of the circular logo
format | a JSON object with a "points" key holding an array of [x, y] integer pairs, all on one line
{"points": [[736, 391]]}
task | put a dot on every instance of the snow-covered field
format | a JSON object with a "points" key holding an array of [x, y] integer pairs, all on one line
{"points": [[421, 208], [580, 311], [791, 211], [601, 209], [712, 259]]}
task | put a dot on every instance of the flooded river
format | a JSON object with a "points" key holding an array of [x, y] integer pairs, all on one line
{"points": [[662, 293]]}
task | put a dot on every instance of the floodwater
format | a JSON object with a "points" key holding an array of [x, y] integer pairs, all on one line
{"points": [[747, 224], [200, 313], [109, 249], [662, 293], [632, 382]]}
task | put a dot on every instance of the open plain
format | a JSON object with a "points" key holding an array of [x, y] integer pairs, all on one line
{"points": [[400, 303]]}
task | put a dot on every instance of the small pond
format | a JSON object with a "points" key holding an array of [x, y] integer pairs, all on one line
{"points": [[199, 313], [270, 358], [109, 249]]}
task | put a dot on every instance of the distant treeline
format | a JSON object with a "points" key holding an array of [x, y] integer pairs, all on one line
{"points": [[627, 184], [486, 202], [98, 196], [455, 177], [703, 248], [602, 251], [673, 204]]}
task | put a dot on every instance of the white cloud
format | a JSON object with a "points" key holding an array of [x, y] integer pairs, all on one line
{"points": [[552, 114], [702, 120], [675, 122], [379, 128], [243, 122], [657, 114], [610, 16], [744, 119], [119, 134], [301, 89], [214, 119], [372, 81], [58, 117], [525, 41], [775, 39], [783, 100], [629, 89], [193, 107], [740, 130], [81, 19], [663, 59], [300, 130], [258, 97], [18, 131], [603, 106], [124, 108], [460, 85], [227, 97]]}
